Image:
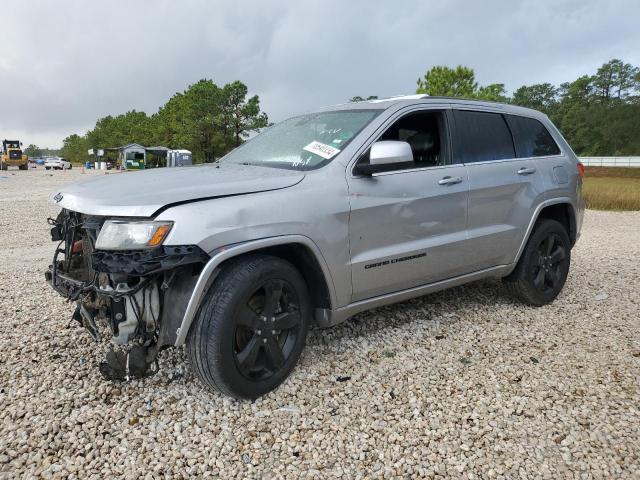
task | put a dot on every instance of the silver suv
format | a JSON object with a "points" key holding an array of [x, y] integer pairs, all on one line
{"points": [[314, 220]]}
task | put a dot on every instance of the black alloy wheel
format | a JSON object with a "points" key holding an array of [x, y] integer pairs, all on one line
{"points": [[251, 328], [543, 266], [267, 327], [547, 265]]}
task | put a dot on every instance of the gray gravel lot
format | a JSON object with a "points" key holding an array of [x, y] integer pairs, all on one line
{"points": [[465, 383]]}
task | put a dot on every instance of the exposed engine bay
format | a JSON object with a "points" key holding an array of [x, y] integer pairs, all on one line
{"points": [[139, 295]]}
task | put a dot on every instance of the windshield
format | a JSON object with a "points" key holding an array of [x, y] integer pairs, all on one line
{"points": [[303, 143]]}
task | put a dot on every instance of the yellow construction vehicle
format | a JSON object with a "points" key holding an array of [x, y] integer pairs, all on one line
{"points": [[12, 155]]}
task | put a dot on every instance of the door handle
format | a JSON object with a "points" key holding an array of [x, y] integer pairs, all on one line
{"points": [[526, 171], [449, 180]]}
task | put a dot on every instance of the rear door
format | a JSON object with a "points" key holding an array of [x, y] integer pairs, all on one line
{"points": [[502, 187], [407, 226], [534, 143]]}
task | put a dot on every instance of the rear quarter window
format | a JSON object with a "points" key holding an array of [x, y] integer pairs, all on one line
{"points": [[481, 137], [531, 137]]}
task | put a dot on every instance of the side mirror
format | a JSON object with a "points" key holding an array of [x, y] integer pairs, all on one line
{"points": [[385, 156]]}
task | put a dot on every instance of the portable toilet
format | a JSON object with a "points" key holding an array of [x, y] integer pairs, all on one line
{"points": [[179, 158]]}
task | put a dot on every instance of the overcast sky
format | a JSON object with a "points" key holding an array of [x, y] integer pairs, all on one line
{"points": [[63, 64]]}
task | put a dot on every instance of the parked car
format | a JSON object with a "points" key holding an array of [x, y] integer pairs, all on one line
{"points": [[314, 220], [57, 163]]}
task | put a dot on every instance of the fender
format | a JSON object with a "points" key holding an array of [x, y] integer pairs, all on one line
{"points": [[534, 219], [211, 270]]}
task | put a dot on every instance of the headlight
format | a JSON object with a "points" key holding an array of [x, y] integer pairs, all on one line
{"points": [[123, 235]]}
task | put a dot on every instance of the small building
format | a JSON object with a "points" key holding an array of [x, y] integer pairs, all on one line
{"points": [[132, 156]]}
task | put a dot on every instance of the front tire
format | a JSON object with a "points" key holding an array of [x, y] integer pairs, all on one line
{"points": [[543, 266], [251, 329]]}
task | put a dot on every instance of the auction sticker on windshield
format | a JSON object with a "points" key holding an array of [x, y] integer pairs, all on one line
{"points": [[322, 149]]}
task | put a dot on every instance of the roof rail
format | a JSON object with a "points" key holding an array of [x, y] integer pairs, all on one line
{"points": [[416, 96]]}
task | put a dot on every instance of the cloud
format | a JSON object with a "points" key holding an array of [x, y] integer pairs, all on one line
{"points": [[64, 64]]}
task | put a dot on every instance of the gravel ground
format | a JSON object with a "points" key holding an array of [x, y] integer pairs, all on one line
{"points": [[465, 383]]}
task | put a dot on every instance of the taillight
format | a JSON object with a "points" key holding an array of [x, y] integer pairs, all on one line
{"points": [[580, 168]]}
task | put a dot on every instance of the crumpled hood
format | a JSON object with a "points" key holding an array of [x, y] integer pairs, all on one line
{"points": [[142, 193]]}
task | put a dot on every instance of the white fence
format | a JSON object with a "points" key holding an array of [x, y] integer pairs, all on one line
{"points": [[610, 161]]}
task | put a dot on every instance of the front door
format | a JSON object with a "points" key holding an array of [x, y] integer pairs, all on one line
{"points": [[407, 227]]}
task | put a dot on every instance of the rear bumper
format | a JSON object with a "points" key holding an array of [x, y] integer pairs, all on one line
{"points": [[580, 208]]}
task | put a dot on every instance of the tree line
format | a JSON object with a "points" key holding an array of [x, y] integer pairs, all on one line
{"points": [[33, 151], [206, 119], [598, 114]]}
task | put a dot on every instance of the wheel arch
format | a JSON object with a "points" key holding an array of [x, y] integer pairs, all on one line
{"points": [[299, 250], [304, 259], [563, 213], [560, 209]]}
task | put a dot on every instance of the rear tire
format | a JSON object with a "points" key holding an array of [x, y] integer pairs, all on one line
{"points": [[251, 329], [543, 266]]}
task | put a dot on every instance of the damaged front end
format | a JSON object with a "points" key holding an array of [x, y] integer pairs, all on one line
{"points": [[139, 293]]}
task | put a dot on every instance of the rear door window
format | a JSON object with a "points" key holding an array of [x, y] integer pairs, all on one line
{"points": [[481, 137], [531, 137]]}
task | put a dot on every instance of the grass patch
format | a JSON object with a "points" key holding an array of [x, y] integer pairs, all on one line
{"points": [[614, 172], [607, 188]]}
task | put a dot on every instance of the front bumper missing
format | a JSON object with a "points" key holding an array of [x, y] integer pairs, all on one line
{"points": [[131, 263], [147, 262], [139, 295], [67, 286], [124, 278]]}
